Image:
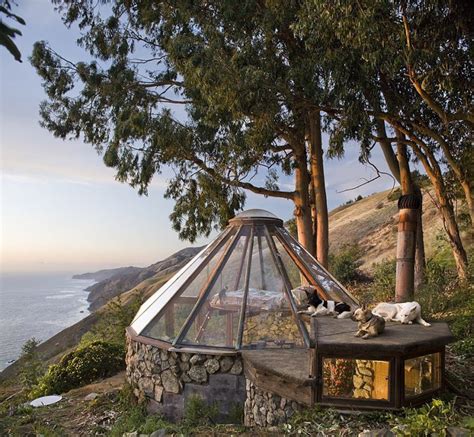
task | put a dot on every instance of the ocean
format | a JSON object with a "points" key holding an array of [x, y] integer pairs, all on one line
{"points": [[37, 305]]}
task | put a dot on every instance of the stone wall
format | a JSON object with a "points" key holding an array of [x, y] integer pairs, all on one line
{"points": [[165, 380], [267, 409]]}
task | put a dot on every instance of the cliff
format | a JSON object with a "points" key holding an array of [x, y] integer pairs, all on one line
{"points": [[124, 279]]}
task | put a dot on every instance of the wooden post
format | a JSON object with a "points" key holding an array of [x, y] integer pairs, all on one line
{"points": [[407, 223]]}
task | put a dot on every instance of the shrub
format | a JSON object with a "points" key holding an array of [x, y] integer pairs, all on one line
{"points": [[344, 265], [394, 194], [382, 288], [111, 326], [197, 412], [430, 419], [80, 367], [32, 368], [464, 348]]}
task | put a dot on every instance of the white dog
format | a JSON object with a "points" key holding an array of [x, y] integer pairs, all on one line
{"points": [[405, 313]]}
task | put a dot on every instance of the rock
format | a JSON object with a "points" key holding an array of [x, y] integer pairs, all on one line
{"points": [[91, 396], [456, 431], [170, 382], [273, 429], [358, 381], [198, 373], [212, 365], [130, 434], [185, 357], [158, 433], [226, 364], [197, 359], [376, 433], [360, 393], [236, 368], [158, 393], [184, 366], [147, 386], [270, 418], [364, 371]]}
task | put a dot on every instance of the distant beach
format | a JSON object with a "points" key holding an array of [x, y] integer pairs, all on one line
{"points": [[37, 305]]}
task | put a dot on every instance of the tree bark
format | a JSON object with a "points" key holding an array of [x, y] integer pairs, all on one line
{"points": [[302, 210], [393, 164], [407, 229], [444, 205], [420, 259], [318, 181]]}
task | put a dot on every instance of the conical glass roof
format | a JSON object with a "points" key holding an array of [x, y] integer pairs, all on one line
{"points": [[236, 293]]}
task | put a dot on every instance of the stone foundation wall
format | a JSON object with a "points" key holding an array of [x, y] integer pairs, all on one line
{"points": [[165, 380], [267, 409]]}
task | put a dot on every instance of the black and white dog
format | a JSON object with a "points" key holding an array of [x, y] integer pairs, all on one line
{"points": [[306, 295]]}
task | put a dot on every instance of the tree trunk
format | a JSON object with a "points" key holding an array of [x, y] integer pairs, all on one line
{"points": [[420, 261], [392, 162], [451, 227], [317, 176], [407, 229], [302, 210], [466, 187]]}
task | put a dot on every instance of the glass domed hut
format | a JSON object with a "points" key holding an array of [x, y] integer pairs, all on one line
{"points": [[231, 311]]}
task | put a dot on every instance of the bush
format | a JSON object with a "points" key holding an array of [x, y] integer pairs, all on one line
{"points": [[344, 265], [430, 419], [111, 326], [198, 413], [32, 368], [80, 367], [394, 194], [382, 288], [464, 348]]}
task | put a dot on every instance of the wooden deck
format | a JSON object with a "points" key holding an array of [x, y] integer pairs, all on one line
{"points": [[334, 336], [290, 373]]}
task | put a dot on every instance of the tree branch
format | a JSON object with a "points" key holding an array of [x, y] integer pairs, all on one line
{"points": [[236, 183]]}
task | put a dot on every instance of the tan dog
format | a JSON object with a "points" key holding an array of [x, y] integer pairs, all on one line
{"points": [[369, 324]]}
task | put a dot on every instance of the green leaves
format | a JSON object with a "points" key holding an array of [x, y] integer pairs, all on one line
{"points": [[8, 33]]}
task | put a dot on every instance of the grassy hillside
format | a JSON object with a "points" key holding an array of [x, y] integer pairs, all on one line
{"points": [[372, 224]]}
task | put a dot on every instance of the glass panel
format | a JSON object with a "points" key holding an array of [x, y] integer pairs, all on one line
{"points": [[323, 278], [295, 275], [422, 374], [268, 322], [169, 322], [216, 323], [359, 379]]}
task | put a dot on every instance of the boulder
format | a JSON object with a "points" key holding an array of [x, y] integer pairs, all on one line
{"points": [[212, 365], [170, 382], [226, 364], [198, 373]]}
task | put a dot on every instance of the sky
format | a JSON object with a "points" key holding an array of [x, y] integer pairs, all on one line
{"points": [[61, 208]]}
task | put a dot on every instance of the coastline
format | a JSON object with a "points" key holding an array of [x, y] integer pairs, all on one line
{"points": [[40, 306]]}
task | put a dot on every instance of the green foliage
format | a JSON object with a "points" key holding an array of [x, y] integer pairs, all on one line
{"points": [[326, 421], [236, 414], [197, 412], [112, 324], [382, 288], [80, 367], [430, 419], [344, 265], [8, 33], [136, 419], [464, 348], [32, 367], [394, 194]]}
